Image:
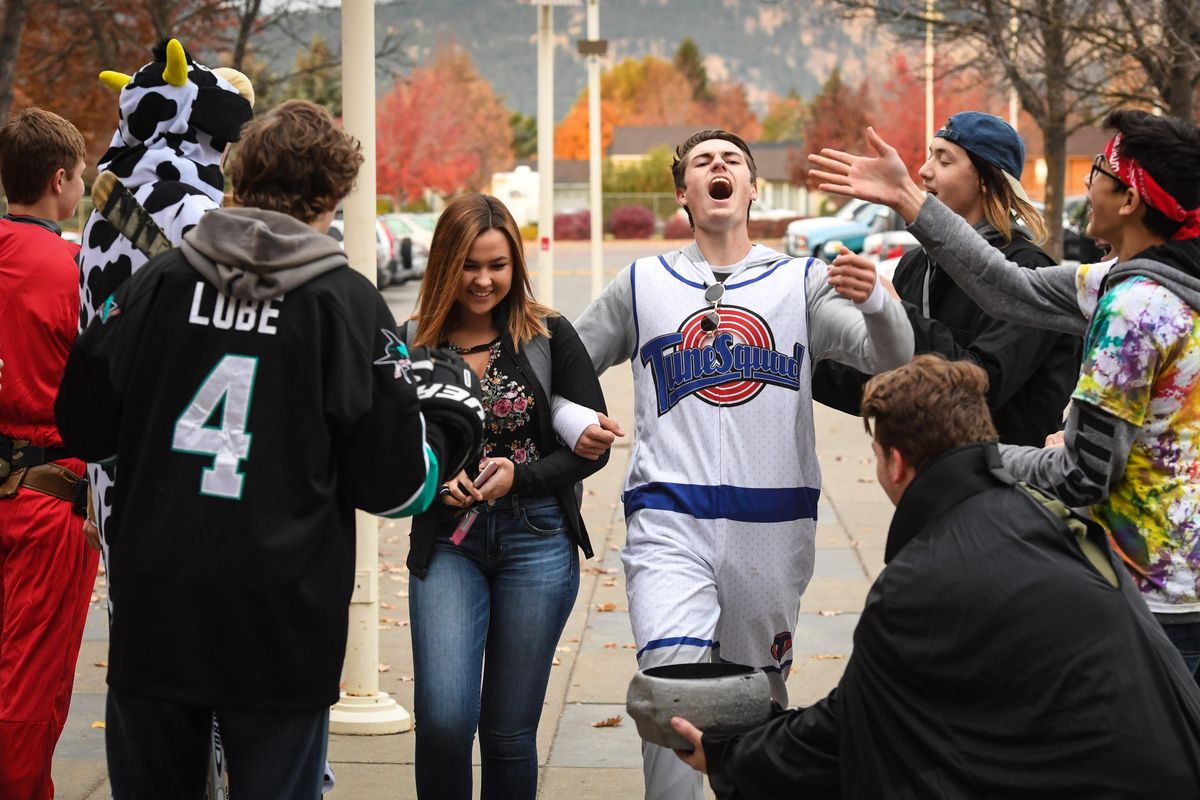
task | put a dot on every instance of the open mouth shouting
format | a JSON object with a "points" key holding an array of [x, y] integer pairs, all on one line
{"points": [[721, 188]]}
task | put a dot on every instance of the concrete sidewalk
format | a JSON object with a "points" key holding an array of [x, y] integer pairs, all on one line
{"points": [[596, 655]]}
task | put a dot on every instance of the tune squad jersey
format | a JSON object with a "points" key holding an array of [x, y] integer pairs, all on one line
{"points": [[732, 433]]}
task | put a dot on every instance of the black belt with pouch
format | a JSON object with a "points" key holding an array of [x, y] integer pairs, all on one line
{"points": [[23, 464]]}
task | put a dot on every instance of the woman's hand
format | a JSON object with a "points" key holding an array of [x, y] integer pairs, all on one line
{"points": [[458, 492], [881, 178], [501, 481], [852, 276]]}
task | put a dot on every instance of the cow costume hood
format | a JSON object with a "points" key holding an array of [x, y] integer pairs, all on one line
{"points": [[176, 117]]}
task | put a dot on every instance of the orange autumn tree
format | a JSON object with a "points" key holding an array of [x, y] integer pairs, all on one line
{"points": [[652, 91], [838, 117], [65, 46], [441, 129]]}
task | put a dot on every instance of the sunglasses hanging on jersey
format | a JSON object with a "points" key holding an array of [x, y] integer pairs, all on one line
{"points": [[711, 321]]}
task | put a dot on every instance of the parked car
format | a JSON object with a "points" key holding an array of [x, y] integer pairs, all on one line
{"points": [[414, 232], [888, 245], [851, 225], [384, 260], [1077, 245]]}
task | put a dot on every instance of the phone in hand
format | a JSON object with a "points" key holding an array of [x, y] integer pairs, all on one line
{"points": [[489, 469], [468, 518]]}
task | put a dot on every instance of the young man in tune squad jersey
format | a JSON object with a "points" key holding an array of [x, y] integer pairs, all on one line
{"points": [[721, 495]]}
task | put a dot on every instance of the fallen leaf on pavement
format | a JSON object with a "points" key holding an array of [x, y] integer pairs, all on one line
{"points": [[829, 613], [827, 657], [611, 645], [611, 722], [600, 571], [556, 661], [384, 667], [98, 724], [388, 606], [103, 664], [611, 582], [564, 649], [605, 606]]}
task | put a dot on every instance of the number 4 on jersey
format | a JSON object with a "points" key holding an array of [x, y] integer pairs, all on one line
{"points": [[229, 388]]}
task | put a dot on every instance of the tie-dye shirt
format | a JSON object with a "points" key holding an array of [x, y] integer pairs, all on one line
{"points": [[1141, 363]]}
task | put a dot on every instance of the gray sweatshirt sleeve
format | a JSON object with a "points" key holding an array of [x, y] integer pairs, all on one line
{"points": [[1092, 459], [606, 326], [1042, 298], [839, 330]]}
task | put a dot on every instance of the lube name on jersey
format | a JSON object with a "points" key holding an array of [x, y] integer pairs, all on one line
{"points": [[687, 370], [231, 313]]}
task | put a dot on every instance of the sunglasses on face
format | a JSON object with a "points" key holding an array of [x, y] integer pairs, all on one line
{"points": [[712, 320], [1099, 164]]}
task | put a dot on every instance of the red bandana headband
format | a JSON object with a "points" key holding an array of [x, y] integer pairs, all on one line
{"points": [[1131, 173]]}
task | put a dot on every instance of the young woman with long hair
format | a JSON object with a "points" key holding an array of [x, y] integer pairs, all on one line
{"points": [[495, 569]]}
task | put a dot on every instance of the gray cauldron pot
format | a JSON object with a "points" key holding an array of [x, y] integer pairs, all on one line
{"points": [[725, 697]]}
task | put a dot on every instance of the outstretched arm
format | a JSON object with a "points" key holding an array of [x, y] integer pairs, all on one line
{"points": [[606, 327], [872, 337]]}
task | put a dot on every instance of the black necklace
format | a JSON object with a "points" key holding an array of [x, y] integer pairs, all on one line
{"points": [[466, 351]]}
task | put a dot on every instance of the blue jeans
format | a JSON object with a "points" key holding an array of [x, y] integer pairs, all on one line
{"points": [[499, 599], [160, 748], [1186, 638]]}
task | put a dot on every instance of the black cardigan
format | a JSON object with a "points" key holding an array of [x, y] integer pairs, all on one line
{"points": [[559, 469]]}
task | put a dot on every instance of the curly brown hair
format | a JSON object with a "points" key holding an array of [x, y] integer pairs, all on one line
{"points": [[927, 407], [34, 145], [295, 160]]}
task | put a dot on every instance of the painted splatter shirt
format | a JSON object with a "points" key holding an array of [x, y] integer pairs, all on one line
{"points": [[1141, 363]]}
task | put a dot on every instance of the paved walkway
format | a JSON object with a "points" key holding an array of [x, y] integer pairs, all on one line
{"points": [[596, 655]]}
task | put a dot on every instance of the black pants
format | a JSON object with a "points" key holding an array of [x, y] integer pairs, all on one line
{"points": [[159, 749]]}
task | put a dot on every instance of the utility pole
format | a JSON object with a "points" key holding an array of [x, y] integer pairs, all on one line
{"points": [[594, 48], [363, 709]]}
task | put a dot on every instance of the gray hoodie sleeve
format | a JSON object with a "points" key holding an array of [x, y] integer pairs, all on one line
{"points": [[1042, 298], [606, 326], [1092, 459], [839, 330]]}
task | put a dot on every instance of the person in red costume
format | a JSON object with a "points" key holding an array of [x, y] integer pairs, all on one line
{"points": [[46, 566]]}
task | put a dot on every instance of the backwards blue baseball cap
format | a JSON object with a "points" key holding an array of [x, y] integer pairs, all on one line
{"points": [[992, 139]]}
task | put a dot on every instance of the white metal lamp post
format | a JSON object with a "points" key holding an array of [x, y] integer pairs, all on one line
{"points": [[594, 48], [363, 709], [545, 128]]}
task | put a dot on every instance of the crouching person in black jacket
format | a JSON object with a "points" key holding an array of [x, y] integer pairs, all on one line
{"points": [[1002, 653], [255, 392]]}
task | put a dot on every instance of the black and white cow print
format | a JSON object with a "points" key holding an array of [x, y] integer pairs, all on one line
{"points": [[176, 118]]}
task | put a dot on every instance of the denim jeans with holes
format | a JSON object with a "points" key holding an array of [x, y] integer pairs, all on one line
{"points": [[486, 620]]}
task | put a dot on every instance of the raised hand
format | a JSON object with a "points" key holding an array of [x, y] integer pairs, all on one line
{"points": [[879, 178]]}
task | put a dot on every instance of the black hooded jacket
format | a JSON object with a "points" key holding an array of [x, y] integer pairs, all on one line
{"points": [[1031, 372], [992, 660]]}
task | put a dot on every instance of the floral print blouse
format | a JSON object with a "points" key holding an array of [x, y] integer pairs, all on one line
{"points": [[509, 425]]}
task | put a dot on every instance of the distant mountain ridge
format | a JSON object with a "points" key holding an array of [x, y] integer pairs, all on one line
{"points": [[770, 47]]}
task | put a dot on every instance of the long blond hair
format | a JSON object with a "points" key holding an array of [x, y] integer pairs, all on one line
{"points": [[1001, 204], [464, 220]]}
